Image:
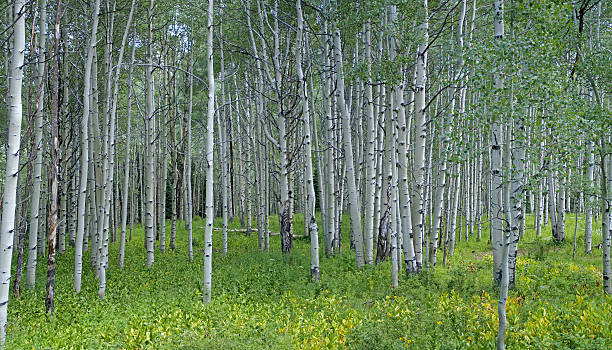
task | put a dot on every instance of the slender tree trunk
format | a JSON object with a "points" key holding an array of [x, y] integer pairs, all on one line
{"points": [[311, 205], [150, 140], [78, 255], [496, 214], [126, 175], [370, 157], [54, 168], [559, 233], [552, 199], [418, 194], [588, 210], [395, 220], [9, 203], [517, 163], [223, 161], [210, 127], [606, 207], [37, 177], [328, 132], [188, 187], [348, 152], [109, 162]]}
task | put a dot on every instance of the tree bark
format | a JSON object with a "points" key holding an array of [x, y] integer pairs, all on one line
{"points": [[37, 169], [126, 176], [210, 127], [418, 208], [9, 202], [150, 140], [311, 203], [354, 204]]}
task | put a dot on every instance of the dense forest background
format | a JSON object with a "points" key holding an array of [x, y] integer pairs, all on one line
{"points": [[282, 174]]}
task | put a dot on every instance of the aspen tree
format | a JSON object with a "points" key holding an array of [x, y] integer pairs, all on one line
{"points": [[126, 176], [150, 142], [378, 166], [223, 164], [442, 172], [78, 254], [311, 205], [188, 187], [286, 188], [539, 214], [559, 232], [24, 183], [328, 136], [504, 209], [210, 127], [551, 197], [54, 168], [177, 176], [9, 202], [37, 168], [606, 203], [320, 164], [418, 208], [109, 160], [402, 183], [163, 156], [394, 223], [517, 164], [506, 235], [588, 210], [354, 204], [222, 117], [242, 173], [496, 175]]}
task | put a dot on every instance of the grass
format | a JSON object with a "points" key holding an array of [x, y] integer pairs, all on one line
{"points": [[264, 300]]}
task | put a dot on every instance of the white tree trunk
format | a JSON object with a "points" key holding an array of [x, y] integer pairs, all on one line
{"points": [[497, 214], [606, 203], [210, 131], [588, 210], [328, 135], [223, 165], [150, 140], [501, 239], [418, 194], [559, 233], [78, 254], [517, 164], [552, 199], [355, 207], [36, 185], [9, 203], [109, 161], [126, 175], [311, 203], [222, 120], [370, 156], [187, 180]]}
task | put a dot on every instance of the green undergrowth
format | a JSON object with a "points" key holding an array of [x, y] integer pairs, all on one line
{"points": [[265, 300]]}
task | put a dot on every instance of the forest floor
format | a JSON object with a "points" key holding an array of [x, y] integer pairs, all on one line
{"points": [[263, 300]]}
